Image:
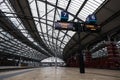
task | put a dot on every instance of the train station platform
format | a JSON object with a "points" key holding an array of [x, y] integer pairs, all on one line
{"points": [[60, 73]]}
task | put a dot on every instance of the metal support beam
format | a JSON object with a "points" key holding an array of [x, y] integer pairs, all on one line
{"points": [[80, 55], [46, 16]]}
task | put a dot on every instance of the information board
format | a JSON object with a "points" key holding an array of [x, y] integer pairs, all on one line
{"points": [[64, 26]]}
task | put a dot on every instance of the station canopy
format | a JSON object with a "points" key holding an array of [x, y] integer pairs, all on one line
{"points": [[30, 24]]}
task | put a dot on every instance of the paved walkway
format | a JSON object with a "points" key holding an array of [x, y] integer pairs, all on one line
{"points": [[61, 73]]}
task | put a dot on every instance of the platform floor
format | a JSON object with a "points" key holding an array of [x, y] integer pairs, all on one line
{"points": [[61, 73]]}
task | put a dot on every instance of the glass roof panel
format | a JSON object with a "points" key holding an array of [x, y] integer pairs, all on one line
{"points": [[44, 28], [58, 42], [75, 5], [52, 1], [61, 35], [56, 34], [50, 15], [63, 3], [41, 8], [58, 14], [71, 33], [38, 27], [34, 9], [66, 39], [62, 46]]}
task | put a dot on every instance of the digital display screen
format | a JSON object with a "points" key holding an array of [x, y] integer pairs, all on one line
{"points": [[91, 27], [64, 26]]}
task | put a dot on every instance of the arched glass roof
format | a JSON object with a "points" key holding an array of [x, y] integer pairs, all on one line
{"points": [[35, 20]]}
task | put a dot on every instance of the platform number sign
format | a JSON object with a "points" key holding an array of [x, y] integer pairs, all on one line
{"points": [[64, 16], [91, 19]]}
